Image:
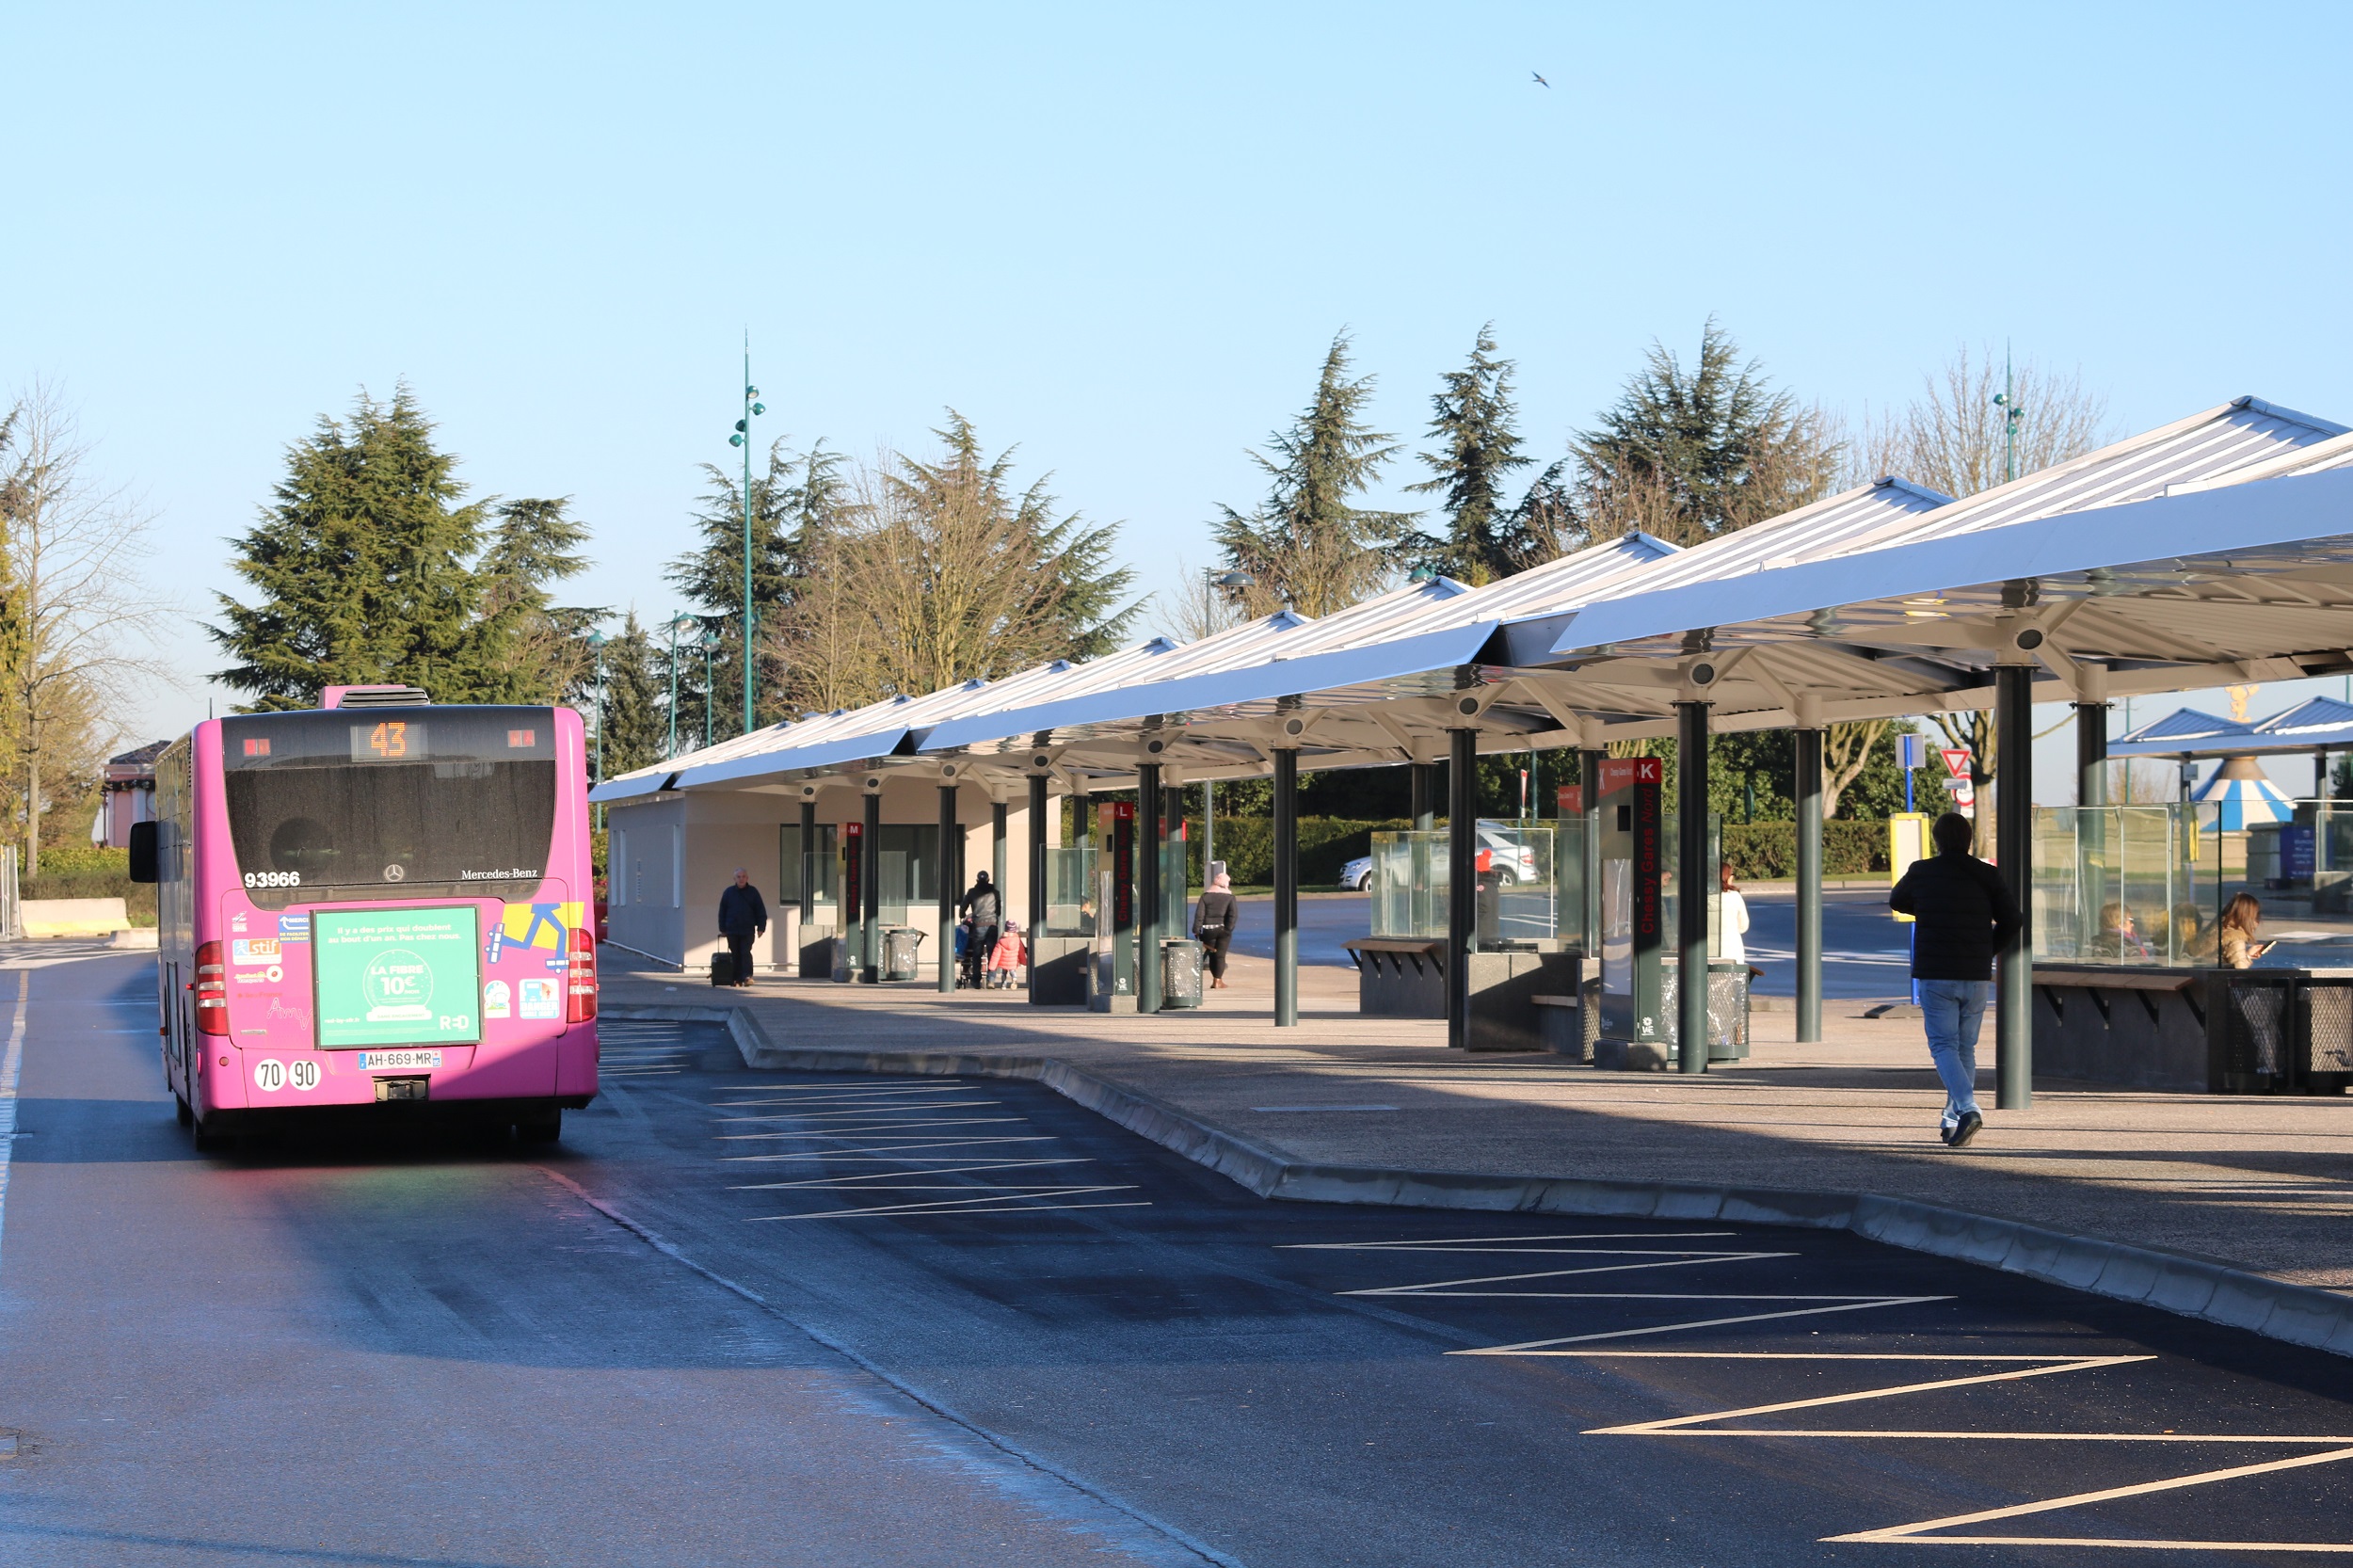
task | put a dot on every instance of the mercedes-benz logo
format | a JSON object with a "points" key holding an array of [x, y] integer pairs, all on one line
{"points": [[393, 873]]}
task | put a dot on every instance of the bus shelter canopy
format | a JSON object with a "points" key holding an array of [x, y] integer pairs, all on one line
{"points": [[2217, 550]]}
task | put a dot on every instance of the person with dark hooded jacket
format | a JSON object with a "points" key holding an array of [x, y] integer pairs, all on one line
{"points": [[1963, 915], [984, 909]]}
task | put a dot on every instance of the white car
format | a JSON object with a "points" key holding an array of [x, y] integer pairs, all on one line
{"points": [[1514, 862]]}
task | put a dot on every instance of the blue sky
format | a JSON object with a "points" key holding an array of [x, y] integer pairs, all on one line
{"points": [[1119, 238]]}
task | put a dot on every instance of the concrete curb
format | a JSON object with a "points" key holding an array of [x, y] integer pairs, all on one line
{"points": [[2145, 1276]]}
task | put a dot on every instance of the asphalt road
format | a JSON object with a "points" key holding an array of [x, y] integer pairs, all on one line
{"points": [[843, 1320], [1864, 951]]}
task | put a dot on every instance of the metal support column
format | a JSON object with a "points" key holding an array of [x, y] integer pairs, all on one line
{"points": [[808, 884], [1461, 881], [997, 851], [1037, 873], [1808, 745], [1425, 776], [945, 951], [1286, 887], [2091, 754], [1691, 888], [2013, 850], [870, 878], [1149, 829]]}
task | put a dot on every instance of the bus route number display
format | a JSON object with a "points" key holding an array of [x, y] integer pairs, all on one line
{"points": [[397, 977], [388, 741]]}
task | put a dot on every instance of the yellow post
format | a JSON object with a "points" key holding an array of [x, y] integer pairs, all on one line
{"points": [[1907, 842]]}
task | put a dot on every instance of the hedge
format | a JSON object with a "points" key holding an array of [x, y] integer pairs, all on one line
{"points": [[1767, 851], [84, 870]]}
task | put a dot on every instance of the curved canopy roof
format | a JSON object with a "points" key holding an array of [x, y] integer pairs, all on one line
{"points": [[2218, 549]]}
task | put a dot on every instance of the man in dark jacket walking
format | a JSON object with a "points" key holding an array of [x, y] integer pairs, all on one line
{"points": [[742, 916], [1965, 915]]}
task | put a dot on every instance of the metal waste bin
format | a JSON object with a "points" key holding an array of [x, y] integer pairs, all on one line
{"points": [[900, 945], [1180, 972], [1727, 1008]]}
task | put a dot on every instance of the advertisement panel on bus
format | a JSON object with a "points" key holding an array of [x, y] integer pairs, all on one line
{"points": [[375, 905]]}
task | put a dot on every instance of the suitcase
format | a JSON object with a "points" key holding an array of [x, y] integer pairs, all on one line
{"points": [[723, 968]]}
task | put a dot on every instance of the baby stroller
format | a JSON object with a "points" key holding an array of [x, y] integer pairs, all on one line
{"points": [[970, 959]]}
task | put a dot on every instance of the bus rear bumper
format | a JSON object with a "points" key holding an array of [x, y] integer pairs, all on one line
{"points": [[419, 1113]]}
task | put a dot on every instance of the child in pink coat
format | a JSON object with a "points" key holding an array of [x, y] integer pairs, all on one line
{"points": [[1010, 954]]}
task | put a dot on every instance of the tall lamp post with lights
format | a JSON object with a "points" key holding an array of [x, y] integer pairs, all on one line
{"points": [[595, 646], [742, 437]]}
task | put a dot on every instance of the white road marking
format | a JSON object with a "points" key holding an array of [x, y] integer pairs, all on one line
{"points": [[822, 1114], [1915, 1534], [876, 1175], [1446, 1287], [1674, 1425], [885, 1126], [968, 1206], [1845, 1303], [927, 1144], [837, 1115]]}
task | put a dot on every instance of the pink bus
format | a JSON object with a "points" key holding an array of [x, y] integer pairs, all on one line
{"points": [[376, 903]]}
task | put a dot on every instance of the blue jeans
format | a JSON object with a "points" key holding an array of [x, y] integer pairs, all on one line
{"points": [[1952, 1010]]}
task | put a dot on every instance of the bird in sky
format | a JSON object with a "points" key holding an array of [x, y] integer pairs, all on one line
{"points": [[1540, 81]]}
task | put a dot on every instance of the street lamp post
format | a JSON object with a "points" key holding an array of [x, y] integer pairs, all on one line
{"points": [[742, 437], [710, 644], [596, 645], [678, 623]]}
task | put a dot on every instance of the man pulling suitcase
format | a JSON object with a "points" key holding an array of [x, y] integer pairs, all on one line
{"points": [[742, 917]]}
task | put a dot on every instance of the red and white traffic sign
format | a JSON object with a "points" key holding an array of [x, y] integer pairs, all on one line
{"points": [[1956, 761]]}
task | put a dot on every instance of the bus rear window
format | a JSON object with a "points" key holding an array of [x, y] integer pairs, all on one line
{"points": [[419, 804]]}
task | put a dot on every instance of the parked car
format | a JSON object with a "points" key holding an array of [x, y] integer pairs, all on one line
{"points": [[1513, 861]]}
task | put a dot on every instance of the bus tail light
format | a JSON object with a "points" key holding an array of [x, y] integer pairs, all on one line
{"points": [[211, 991], [580, 983]]}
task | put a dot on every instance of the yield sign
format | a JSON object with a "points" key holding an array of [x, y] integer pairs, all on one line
{"points": [[1956, 761]]}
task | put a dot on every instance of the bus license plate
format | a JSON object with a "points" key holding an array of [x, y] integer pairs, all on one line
{"points": [[398, 1061]]}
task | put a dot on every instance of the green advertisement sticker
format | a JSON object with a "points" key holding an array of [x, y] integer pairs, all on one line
{"points": [[397, 977]]}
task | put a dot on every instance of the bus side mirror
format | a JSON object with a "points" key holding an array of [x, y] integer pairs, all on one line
{"points": [[144, 859]]}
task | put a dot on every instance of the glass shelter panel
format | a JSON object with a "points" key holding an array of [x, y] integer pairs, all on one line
{"points": [[1071, 891], [1409, 886], [821, 872], [1532, 881], [2147, 882], [2132, 884]]}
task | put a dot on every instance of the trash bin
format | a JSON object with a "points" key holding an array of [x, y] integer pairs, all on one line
{"points": [[901, 944], [1180, 972]]}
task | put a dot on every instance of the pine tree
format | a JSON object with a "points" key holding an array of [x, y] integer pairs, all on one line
{"points": [[636, 691], [948, 572], [543, 653], [1473, 421], [1305, 545], [1688, 456], [365, 566]]}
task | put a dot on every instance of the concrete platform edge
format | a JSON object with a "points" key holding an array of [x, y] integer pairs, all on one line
{"points": [[2146, 1277]]}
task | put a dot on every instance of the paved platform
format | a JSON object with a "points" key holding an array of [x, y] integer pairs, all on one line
{"points": [[2261, 1186]]}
